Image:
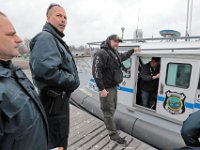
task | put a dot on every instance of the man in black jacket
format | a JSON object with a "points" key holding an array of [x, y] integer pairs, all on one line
{"points": [[55, 74], [106, 70], [149, 82], [23, 124]]}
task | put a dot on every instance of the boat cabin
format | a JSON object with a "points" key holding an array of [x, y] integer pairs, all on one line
{"points": [[178, 88]]}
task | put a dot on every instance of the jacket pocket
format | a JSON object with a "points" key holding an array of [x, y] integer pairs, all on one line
{"points": [[58, 103], [14, 105], [118, 75]]}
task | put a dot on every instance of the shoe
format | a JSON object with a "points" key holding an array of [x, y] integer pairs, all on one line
{"points": [[120, 141]]}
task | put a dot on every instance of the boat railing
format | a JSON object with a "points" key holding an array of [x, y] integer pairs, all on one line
{"points": [[158, 39]]}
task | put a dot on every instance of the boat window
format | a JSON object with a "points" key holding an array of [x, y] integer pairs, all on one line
{"points": [[126, 68], [178, 75]]}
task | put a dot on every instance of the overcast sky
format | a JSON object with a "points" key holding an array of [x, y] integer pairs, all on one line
{"points": [[94, 20]]}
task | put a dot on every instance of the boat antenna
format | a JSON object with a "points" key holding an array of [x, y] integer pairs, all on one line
{"points": [[191, 9], [138, 20], [189, 19], [188, 9]]}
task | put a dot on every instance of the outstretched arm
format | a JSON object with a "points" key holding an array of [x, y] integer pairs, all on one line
{"points": [[128, 54]]}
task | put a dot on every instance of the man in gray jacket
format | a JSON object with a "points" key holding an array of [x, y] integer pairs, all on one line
{"points": [[23, 124], [55, 74]]}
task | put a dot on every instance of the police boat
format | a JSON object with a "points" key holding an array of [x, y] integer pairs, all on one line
{"points": [[178, 92]]}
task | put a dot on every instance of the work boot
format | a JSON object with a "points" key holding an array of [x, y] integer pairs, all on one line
{"points": [[120, 141]]}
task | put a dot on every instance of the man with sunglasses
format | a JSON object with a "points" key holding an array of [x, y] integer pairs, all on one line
{"points": [[54, 74]]}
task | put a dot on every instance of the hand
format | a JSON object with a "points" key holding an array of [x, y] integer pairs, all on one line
{"points": [[103, 93], [156, 76], [137, 49]]}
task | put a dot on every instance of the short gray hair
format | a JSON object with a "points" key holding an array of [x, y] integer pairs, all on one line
{"points": [[51, 6]]}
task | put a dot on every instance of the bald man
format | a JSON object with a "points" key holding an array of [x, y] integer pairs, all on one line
{"points": [[23, 124], [55, 74]]}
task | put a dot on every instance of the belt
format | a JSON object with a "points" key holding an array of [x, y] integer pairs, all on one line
{"points": [[56, 94]]}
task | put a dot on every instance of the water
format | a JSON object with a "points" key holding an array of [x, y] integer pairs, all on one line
{"points": [[84, 66]]}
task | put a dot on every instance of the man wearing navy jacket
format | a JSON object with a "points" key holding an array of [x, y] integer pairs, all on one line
{"points": [[54, 74]]}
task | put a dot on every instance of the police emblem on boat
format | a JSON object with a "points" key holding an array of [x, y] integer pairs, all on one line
{"points": [[174, 102]]}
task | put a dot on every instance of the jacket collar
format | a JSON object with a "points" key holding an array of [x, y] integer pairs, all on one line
{"points": [[5, 72], [51, 29], [113, 53], [5, 69]]}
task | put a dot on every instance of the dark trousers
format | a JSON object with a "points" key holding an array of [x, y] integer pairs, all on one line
{"points": [[57, 111], [191, 130], [147, 98], [108, 107]]}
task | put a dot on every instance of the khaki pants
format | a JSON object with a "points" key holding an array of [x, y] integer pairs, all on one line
{"points": [[108, 107]]}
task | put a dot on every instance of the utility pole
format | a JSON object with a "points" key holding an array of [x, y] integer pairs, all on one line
{"points": [[122, 28]]}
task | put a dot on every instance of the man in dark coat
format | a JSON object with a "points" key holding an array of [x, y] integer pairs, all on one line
{"points": [[23, 124], [55, 74], [149, 74], [106, 70]]}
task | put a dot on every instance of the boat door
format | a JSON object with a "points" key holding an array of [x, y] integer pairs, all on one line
{"points": [[177, 87], [197, 99], [126, 89]]}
